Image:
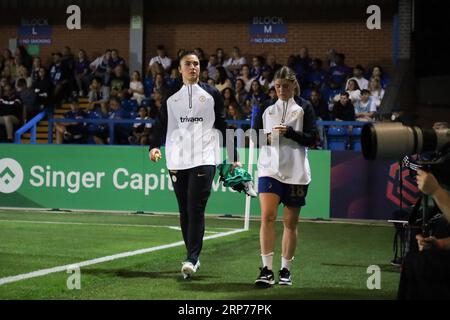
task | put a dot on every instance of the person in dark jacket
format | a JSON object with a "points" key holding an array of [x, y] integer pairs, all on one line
{"points": [[10, 111]]}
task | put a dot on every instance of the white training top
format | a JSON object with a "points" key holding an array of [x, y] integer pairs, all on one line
{"points": [[285, 159], [191, 138]]}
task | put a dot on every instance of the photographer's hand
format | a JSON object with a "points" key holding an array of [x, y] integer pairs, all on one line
{"points": [[426, 182], [426, 243]]}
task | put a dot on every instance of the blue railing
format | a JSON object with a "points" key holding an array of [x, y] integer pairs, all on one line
{"points": [[323, 126], [334, 131], [29, 125], [110, 122]]}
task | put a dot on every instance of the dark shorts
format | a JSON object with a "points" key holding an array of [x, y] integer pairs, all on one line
{"points": [[291, 195]]}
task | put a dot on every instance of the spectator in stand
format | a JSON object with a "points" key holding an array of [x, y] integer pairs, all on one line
{"points": [[156, 104], [365, 108], [7, 57], [59, 75], [211, 82], [43, 88], [331, 58], [136, 90], [303, 59], [212, 66], [266, 79], [322, 112], [358, 76], [341, 72], [317, 77], [100, 66], [240, 92], [14, 68], [28, 98], [81, 70], [272, 94], [220, 56], [98, 96], [255, 97], [159, 85], [204, 75], [222, 80], [201, 56], [96, 131], [320, 106], [162, 58], [119, 83], [233, 113], [24, 56], [376, 91], [343, 110], [3, 82], [271, 62], [68, 58], [116, 60], [234, 64], [22, 73], [174, 80], [117, 112], [154, 70], [377, 72], [70, 132], [330, 92], [246, 77], [257, 67], [141, 131], [302, 67], [176, 62], [10, 111], [228, 97], [37, 64], [353, 90]]}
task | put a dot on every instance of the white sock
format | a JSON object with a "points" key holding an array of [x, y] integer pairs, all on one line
{"points": [[267, 260], [285, 263]]}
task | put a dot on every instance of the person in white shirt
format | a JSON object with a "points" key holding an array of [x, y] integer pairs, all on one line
{"points": [[188, 124], [358, 76], [136, 87], [234, 63], [353, 91], [376, 91], [365, 108], [283, 170], [161, 58]]}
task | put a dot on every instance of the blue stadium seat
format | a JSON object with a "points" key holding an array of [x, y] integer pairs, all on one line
{"points": [[130, 105], [148, 86], [337, 138], [356, 139], [146, 103]]}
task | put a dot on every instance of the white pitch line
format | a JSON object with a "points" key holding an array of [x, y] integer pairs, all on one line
{"points": [[104, 224], [43, 272]]}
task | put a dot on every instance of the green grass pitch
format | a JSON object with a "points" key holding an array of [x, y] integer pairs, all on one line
{"points": [[331, 259]]}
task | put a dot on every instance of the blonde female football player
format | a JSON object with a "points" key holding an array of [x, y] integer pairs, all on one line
{"points": [[284, 173]]}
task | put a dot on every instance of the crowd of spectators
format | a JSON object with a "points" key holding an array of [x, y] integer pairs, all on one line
{"points": [[336, 91]]}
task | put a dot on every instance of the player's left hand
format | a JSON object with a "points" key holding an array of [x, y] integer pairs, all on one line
{"points": [[234, 165]]}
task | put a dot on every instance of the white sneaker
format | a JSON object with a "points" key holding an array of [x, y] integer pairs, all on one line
{"points": [[248, 188], [188, 268]]}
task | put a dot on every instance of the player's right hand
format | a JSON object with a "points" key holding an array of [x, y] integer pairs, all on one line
{"points": [[155, 155]]}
